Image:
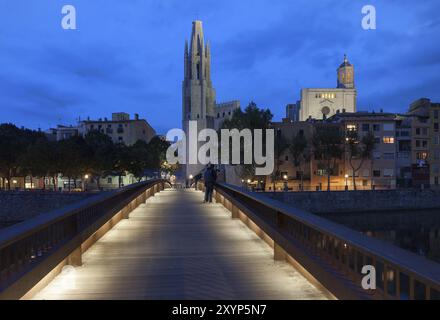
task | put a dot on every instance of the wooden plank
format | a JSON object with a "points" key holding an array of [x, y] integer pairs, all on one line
{"points": [[176, 247]]}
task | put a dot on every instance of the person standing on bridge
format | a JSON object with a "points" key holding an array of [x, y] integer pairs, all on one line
{"points": [[210, 176]]}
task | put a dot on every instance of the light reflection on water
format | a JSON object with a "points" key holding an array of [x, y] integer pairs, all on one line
{"points": [[416, 230]]}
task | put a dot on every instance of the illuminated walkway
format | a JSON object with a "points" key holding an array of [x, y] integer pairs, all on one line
{"points": [[176, 247]]}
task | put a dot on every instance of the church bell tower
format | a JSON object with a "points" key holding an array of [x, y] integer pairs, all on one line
{"points": [[198, 94], [346, 75]]}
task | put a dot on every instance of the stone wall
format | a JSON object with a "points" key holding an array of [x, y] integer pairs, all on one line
{"points": [[19, 206], [360, 201]]}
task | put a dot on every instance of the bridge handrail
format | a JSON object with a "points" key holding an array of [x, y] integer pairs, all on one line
{"points": [[322, 233], [25, 245]]}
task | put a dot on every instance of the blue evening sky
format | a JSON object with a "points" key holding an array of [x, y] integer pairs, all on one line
{"points": [[127, 55]]}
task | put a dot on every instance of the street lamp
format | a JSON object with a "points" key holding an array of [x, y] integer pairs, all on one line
{"points": [[86, 177], [191, 176], [346, 182], [286, 187]]}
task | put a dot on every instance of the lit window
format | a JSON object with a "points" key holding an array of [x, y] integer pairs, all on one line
{"points": [[388, 140], [351, 127]]}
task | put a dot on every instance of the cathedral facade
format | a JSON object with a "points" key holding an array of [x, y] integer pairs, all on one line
{"points": [[198, 94], [321, 103]]}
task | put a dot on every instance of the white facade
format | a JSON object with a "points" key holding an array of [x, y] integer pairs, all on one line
{"points": [[321, 103], [317, 103]]}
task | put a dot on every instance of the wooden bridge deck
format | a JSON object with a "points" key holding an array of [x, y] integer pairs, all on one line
{"points": [[176, 247]]}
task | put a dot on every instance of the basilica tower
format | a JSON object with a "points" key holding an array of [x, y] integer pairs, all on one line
{"points": [[198, 94]]}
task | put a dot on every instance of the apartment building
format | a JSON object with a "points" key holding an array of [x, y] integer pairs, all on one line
{"points": [[120, 128], [379, 169]]}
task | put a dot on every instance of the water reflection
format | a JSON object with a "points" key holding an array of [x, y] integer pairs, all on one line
{"points": [[417, 231]]}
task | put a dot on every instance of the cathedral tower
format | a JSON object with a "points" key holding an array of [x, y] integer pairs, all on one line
{"points": [[346, 75]]}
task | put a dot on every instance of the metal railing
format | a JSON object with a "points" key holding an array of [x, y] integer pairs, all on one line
{"points": [[334, 254], [31, 249]]}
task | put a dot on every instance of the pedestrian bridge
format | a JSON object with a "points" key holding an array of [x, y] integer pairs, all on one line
{"points": [[151, 242]]}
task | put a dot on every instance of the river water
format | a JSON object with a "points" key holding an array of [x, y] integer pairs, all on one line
{"points": [[417, 231]]}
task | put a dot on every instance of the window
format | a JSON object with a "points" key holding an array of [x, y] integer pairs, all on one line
{"points": [[421, 155], [351, 127], [365, 127], [435, 114], [388, 140], [286, 158], [436, 127], [376, 173], [109, 180], [376, 155], [424, 143], [388, 156], [436, 140], [404, 133], [388, 127], [418, 143], [388, 172], [418, 131], [436, 155], [120, 138], [425, 131], [376, 127], [377, 140]]}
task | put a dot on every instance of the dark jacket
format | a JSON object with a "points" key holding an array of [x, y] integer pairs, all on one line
{"points": [[210, 175]]}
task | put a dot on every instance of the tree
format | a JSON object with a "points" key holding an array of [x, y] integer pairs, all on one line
{"points": [[251, 118], [140, 158], [14, 143], [74, 158], [37, 160], [298, 150], [328, 142], [100, 148], [157, 148], [358, 151]]}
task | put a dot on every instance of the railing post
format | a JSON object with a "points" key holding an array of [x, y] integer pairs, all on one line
{"points": [[75, 258], [234, 212], [279, 254]]}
